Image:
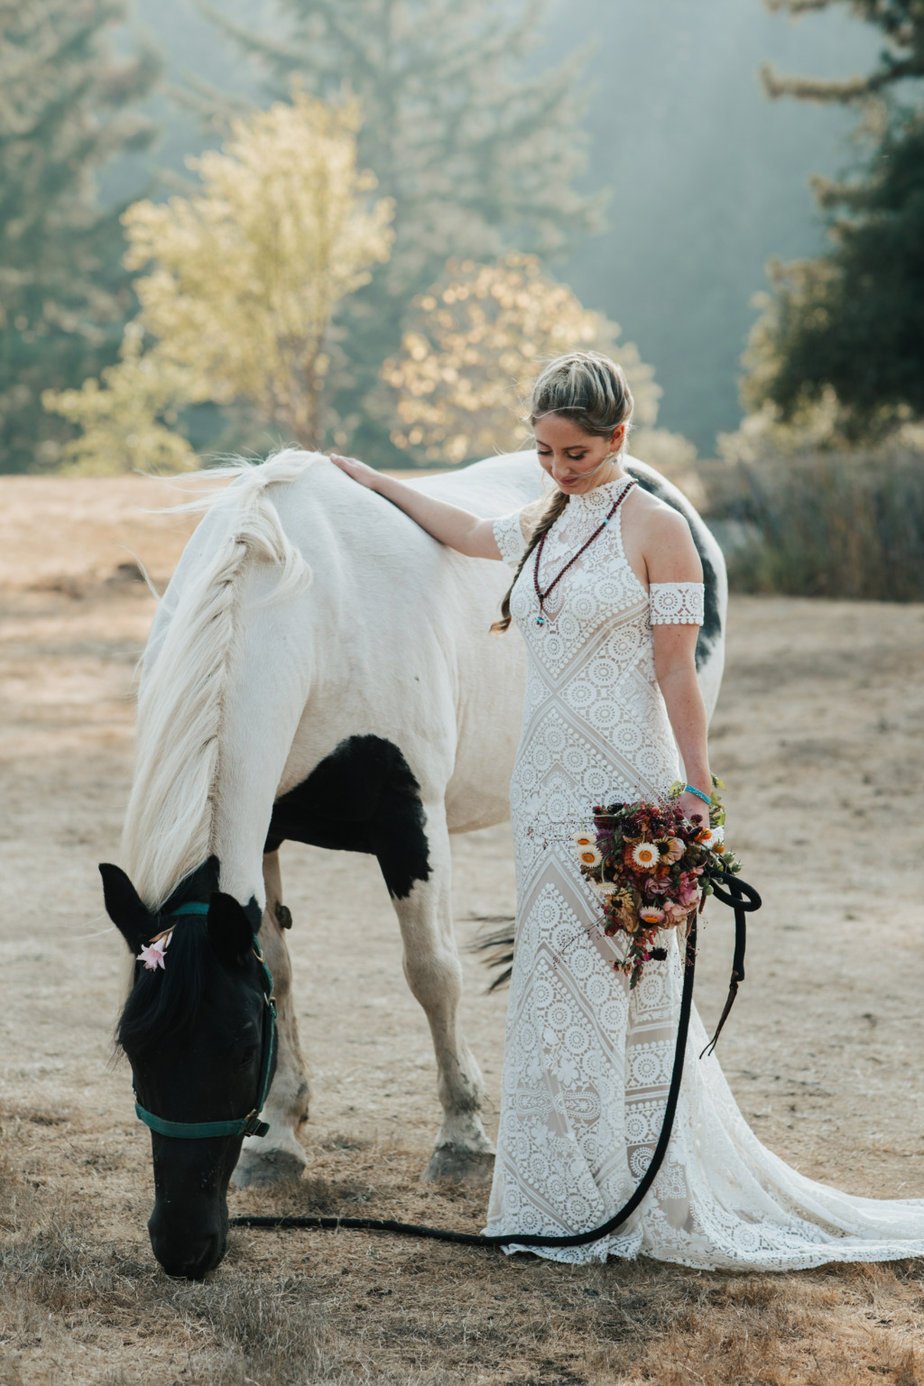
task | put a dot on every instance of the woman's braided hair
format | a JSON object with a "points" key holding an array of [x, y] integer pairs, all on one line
{"points": [[592, 390]]}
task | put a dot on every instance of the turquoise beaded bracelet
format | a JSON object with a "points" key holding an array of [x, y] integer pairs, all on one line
{"points": [[689, 789]]}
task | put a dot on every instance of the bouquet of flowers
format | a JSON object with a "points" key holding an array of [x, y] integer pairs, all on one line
{"points": [[652, 867]]}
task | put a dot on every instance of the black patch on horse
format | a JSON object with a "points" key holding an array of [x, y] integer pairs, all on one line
{"points": [[363, 797], [711, 628]]}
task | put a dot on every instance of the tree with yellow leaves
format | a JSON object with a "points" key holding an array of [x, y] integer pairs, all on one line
{"points": [[475, 341], [127, 418], [241, 280]]}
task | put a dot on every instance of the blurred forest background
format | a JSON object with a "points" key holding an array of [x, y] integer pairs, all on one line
{"points": [[229, 225]]}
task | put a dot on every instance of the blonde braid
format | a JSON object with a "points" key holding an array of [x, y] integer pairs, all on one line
{"points": [[554, 507]]}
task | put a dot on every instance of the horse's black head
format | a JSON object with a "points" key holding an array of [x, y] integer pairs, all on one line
{"points": [[195, 1033]]}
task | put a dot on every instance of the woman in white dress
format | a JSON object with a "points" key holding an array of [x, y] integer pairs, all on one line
{"points": [[607, 593]]}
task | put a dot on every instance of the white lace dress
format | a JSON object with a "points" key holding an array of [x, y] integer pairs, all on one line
{"points": [[587, 1062]]}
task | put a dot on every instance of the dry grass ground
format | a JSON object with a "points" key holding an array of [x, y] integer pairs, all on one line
{"points": [[819, 724]]}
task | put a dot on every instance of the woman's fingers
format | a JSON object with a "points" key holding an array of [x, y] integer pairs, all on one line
{"points": [[359, 471]]}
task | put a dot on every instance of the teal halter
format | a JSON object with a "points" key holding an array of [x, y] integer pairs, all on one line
{"points": [[249, 1125]]}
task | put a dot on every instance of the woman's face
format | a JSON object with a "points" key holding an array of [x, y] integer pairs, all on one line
{"points": [[576, 461]]}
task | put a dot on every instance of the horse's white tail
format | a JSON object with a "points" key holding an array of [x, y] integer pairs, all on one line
{"points": [[168, 824]]}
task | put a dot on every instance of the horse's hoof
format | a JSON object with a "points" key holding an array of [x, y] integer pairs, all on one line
{"points": [[257, 1169], [459, 1166]]}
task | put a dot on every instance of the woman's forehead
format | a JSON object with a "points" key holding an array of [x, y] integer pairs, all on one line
{"points": [[559, 431]]}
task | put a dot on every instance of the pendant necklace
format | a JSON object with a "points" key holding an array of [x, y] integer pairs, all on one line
{"points": [[542, 619]]}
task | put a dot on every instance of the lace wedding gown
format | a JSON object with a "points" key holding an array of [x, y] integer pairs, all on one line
{"points": [[587, 1062]]}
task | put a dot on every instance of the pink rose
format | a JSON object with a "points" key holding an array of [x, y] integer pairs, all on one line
{"points": [[657, 885], [674, 913], [688, 892]]}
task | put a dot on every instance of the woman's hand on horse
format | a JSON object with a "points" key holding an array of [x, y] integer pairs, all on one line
{"points": [[359, 471]]}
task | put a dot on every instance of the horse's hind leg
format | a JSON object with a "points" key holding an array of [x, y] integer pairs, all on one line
{"points": [[278, 1155], [433, 972]]}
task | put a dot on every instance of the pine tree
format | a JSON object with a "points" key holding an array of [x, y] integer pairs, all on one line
{"points": [[478, 156], [65, 110], [851, 323], [902, 23]]}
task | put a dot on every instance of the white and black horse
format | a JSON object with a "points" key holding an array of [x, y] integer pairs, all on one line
{"points": [[321, 670]]}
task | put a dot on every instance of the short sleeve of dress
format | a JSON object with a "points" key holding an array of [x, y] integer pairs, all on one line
{"points": [[676, 603], [509, 536]]}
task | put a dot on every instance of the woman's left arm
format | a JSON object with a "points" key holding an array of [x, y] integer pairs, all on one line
{"points": [[671, 556]]}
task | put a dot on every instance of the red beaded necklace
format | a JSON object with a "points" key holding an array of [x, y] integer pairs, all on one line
{"points": [[542, 618]]}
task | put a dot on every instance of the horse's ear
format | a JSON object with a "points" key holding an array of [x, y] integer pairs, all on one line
{"points": [[125, 908], [230, 931]]}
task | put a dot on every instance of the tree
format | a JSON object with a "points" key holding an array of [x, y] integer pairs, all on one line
{"points": [[477, 156], [471, 346], [242, 279], [128, 418], [65, 111], [851, 323], [902, 23]]}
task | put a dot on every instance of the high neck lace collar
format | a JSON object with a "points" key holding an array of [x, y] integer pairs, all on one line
{"points": [[600, 498]]}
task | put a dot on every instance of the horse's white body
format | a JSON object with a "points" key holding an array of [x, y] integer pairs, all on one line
{"points": [[358, 625]]}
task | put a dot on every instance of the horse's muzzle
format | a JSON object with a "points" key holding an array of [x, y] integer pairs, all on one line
{"points": [[184, 1254]]}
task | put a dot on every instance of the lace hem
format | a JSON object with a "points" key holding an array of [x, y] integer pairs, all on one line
{"points": [[509, 537], [676, 603]]}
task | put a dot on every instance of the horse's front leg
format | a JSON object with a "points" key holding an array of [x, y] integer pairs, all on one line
{"points": [[433, 972], [279, 1154]]}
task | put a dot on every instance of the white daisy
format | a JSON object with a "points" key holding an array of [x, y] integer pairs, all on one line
{"points": [[646, 854]]}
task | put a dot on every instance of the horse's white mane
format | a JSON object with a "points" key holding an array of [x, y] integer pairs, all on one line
{"points": [[169, 821]]}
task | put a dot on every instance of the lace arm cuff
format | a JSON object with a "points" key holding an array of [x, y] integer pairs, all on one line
{"points": [[676, 603], [508, 534]]}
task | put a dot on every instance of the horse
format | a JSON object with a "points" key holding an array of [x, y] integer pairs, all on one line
{"points": [[320, 670]]}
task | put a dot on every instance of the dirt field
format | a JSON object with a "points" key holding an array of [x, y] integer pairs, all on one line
{"points": [[818, 724]]}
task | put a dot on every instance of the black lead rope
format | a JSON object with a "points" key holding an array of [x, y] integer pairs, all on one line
{"points": [[744, 899]]}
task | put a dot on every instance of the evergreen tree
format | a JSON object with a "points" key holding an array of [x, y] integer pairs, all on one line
{"points": [[851, 323], [477, 156], [65, 109]]}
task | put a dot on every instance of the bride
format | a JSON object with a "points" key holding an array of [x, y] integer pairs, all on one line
{"points": [[607, 593]]}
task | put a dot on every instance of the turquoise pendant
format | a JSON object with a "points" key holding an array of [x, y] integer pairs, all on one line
{"points": [[540, 620]]}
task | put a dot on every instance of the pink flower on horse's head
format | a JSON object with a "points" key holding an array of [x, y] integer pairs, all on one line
{"points": [[152, 954]]}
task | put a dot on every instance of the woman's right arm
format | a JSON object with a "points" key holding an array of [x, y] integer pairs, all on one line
{"points": [[459, 529]]}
